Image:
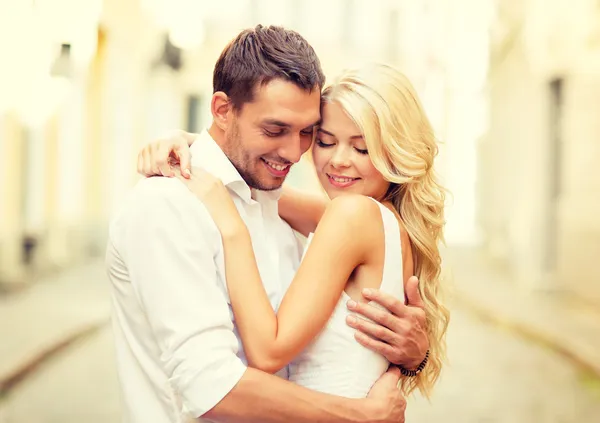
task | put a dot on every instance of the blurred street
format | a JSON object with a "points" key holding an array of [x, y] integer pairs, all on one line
{"points": [[494, 375]]}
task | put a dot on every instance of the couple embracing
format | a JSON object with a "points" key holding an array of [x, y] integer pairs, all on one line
{"points": [[220, 312]]}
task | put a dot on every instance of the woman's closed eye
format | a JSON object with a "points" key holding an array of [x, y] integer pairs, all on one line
{"points": [[322, 144]]}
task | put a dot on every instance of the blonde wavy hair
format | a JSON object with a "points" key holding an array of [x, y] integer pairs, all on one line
{"points": [[402, 147]]}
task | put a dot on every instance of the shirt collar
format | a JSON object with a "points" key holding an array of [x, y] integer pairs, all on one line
{"points": [[207, 154]]}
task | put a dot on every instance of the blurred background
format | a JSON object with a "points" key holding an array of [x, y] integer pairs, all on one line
{"points": [[511, 86]]}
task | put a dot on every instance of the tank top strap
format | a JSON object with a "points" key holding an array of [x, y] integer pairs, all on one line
{"points": [[392, 280]]}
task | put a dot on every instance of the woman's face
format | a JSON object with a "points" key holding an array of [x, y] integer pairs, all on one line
{"points": [[341, 158]]}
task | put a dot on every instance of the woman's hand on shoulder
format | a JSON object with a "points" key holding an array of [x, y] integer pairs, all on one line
{"points": [[215, 196], [158, 157]]}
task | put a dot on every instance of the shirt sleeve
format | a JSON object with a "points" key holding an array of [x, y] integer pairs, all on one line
{"points": [[169, 246]]}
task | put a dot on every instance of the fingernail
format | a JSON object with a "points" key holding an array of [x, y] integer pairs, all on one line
{"points": [[351, 320], [351, 304], [367, 292]]}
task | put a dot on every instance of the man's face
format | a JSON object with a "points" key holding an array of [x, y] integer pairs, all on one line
{"points": [[272, 132]]}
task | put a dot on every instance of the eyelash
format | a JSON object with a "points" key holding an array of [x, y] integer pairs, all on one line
{"points": [[272, 134], [276, 134], [325, 145], [322, 144]]}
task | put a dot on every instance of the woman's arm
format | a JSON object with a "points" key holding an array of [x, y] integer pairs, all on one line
{"points": [[273, 340], [301, 209]]}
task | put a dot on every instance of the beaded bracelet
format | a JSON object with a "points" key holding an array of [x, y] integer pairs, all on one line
{"points": [[413, 373]]}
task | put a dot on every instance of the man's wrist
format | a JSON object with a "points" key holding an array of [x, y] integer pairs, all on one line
{"points": [[415, 368], [412, 364]]}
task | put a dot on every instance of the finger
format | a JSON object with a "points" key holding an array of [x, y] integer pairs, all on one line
{"points": [[164, 169], [140, 164], [173, 155], [147, 163], [373, 344], [151, 157], [162, 160], [389, 302], [159, 156], [374, 330], [413, 295], [198, 177], [376, 314], [185, 158]]}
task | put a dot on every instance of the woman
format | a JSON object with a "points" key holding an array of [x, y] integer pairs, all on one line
{"points": [[373, 155]]}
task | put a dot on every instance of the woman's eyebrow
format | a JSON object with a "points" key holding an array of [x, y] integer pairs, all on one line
{"points": [[353, 137]]}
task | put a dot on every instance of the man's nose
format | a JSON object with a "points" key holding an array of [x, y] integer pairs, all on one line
{"points": [[292, 149]]}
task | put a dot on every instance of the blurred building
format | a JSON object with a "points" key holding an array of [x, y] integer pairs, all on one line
{"points": [[89, 83], [540, 187]]}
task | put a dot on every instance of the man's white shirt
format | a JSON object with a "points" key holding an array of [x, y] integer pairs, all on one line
{"points": [[178, 351]]}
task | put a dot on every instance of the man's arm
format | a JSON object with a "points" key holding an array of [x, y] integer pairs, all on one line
{"points": [[260, 397], [170, 253], [168, 245]]}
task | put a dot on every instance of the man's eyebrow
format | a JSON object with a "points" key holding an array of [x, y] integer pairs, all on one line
{"points": [[313, 125], [276, 122]]}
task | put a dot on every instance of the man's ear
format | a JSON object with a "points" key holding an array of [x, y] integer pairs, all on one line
{"points": [[221, 109]]}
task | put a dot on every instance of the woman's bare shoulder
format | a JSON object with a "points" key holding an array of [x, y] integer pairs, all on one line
{"points": [[351, 223], [354, 204], [353, 211]]}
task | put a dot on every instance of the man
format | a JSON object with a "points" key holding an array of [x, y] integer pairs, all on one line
{"points": [[178, 352]]}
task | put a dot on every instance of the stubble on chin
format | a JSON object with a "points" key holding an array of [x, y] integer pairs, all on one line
{"points": [[249, 168]]}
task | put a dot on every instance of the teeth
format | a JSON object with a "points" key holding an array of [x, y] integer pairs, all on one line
{"points": [[342, 180], [276, 166]]}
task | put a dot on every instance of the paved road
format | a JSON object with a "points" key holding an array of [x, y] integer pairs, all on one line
{"points": [[493, 377]]}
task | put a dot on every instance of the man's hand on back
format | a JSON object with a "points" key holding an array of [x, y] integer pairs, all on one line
{"points": [[400, 333]]}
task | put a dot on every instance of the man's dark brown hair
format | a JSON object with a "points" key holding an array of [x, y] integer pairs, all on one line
{"points": [[259, 55]]}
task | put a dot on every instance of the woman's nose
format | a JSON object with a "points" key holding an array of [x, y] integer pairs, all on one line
{"points": [[340, 159]]}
